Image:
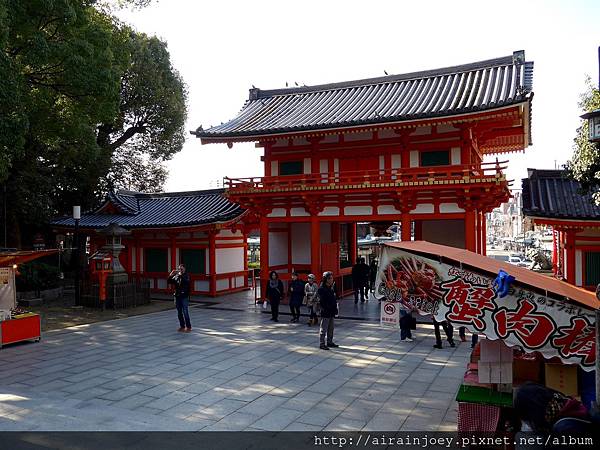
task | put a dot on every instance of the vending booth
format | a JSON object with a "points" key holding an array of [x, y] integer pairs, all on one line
{"points": [[16, 325]]}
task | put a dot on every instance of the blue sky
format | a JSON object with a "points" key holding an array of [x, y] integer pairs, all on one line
{"points": [[222, 48]]}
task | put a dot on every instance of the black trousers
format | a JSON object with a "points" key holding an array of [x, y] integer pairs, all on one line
{"points": [[274, 309], [359, 288], [295, 310], [448, 330]]}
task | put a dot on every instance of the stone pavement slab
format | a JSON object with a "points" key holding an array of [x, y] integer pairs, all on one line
{"points": [[235, 371]]}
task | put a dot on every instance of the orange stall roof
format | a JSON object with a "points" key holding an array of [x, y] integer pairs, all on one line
{"points": [[23, 256], [524, 277]]}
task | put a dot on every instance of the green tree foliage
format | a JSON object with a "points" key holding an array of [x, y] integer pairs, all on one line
{"points": [[584, 166], [86, 104]]}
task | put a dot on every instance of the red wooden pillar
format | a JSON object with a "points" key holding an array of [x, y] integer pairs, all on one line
{"points": [[478, 233], [353, 244], [405, 227], [173, 253], [138, 257], [470, 230], [289, 249], [264, 255], [212, 265], [315, 246], [570, 257], [484, 233], [554, 252]]}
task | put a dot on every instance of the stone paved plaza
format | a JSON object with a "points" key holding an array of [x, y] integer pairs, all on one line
{"points": [[235, 371]]}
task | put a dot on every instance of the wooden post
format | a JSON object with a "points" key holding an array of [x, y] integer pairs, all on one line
{"points": [[212, 258], [484, 232], [264, 256], [405, 227], [173, 253], [470, 230], [315, 246], [570, 257]]}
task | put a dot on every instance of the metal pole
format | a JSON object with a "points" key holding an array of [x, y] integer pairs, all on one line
{"points": [[77, 260]]}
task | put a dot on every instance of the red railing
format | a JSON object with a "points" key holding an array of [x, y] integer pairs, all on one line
{"points": [[373, 178]]}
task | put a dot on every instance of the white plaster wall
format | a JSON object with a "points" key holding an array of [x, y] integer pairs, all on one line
{"points": [[445, 232], [177, 255], [336, 165], [330, 139], [142, 259], [414, 158], [300, 243], [381, 162], [207, 262], [133, 259], [239, 281], [229, 259], [298, 212], [199, 234], [324, 165], [423, 208], [228, 233], [330, 211], [420, 131], [201, 285], [169, 268], [445, 128], [387, 209], [455, 155], [578, 268], [161, 283], [274, 168], [396, 161], [358, 210], [277, 212], [278, 248], [364, 136], [450, 208], [223, 285], [307, 165], [325, 233]]}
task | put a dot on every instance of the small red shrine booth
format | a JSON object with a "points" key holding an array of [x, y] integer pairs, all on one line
{"points": [[201, 229], [406, 148], [550, 198], [15, 325]]}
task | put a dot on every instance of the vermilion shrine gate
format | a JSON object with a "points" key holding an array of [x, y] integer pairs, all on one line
{"points": [[406, 148]]}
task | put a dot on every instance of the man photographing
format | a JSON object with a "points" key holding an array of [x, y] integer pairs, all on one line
{"points": [[181, 280]]}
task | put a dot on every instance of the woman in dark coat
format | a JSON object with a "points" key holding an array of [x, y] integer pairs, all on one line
{"points": [[328, 302], [296, 291], [274, 294]]}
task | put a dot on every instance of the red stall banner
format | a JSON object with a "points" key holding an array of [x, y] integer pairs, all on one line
{"points": [[538, 314]]}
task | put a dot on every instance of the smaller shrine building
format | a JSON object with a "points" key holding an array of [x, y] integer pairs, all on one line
{"points": [[550, 198], [201, 229]]}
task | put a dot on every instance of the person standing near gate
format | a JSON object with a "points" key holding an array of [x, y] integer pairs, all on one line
{"points": [[274, 294], [181, 280], [296, 292], [328, 302]]}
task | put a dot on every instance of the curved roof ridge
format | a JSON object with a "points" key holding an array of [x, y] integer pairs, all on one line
{"points": [[501, 61]]}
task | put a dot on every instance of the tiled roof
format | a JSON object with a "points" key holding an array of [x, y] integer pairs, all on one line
{"points": [[450, 91], [138, 210], [549, 193]]}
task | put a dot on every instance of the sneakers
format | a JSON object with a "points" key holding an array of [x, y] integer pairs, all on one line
{"points": [[323, 347], [407, 340], [187, 330], [452, 344], [332, 345], [181, 329]]}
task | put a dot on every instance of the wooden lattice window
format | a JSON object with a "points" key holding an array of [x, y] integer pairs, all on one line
{"points": [[194, 260], [157, 259], [435, 158], [592, 268]]}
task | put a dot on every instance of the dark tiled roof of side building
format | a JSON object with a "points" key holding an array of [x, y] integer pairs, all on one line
{"points": [[549, 193], [479, 86], [170, 209]]}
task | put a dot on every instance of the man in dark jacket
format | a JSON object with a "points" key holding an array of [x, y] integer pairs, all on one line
{"points": [[296, 292], [181, 281], [328, 303], [360, 278]]}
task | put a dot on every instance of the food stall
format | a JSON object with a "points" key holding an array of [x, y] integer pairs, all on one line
{"points": [[16, 325], [536, 328]]}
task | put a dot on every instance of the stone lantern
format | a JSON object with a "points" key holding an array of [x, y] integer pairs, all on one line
{"points": [[113, 247], [593, 119]]}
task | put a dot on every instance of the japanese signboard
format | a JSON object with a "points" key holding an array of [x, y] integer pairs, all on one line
{"points": [[390, 314], [524, 318], [7, 289]]}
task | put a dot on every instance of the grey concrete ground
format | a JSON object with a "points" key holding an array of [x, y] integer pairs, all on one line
{"points": [[235, 371]]}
